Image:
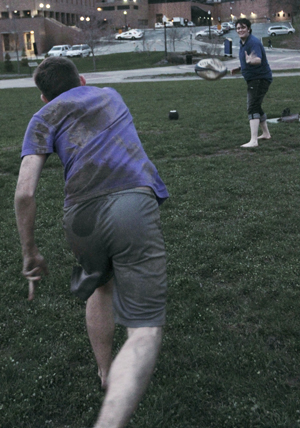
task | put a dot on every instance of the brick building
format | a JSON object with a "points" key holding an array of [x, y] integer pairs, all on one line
{"points": [[25, 24], [28, 23]]}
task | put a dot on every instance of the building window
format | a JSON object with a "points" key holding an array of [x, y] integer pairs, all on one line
{"points": [[123, 7], [27, 13], [135, 7], [143, 22], [108, 8]]}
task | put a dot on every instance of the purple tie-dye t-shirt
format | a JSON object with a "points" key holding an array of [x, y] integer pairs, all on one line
{"points": [[92, 131]]}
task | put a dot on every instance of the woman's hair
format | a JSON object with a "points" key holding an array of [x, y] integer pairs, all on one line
{"points": [[56, 75]]}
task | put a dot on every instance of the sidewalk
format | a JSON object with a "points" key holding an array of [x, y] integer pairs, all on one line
{"points": [[169, 73]]}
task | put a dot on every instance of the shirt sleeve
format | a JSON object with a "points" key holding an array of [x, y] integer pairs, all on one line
{"points": [[257, 49], [38, 138]]}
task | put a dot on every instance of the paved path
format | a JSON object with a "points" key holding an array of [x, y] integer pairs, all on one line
{"points": [[278, 59]]}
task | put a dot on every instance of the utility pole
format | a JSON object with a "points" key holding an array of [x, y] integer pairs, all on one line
{"points": [[165, 34], [15, 36]]}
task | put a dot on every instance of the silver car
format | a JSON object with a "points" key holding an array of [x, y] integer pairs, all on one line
{"points": [[205, 33], [59, 50], [276, 30], [79, 50]]}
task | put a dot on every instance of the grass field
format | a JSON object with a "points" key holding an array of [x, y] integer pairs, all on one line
{"points": [[124, 61], [231, 350]]}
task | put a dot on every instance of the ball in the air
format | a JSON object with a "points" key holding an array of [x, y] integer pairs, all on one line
{"points": [[210, 69]]}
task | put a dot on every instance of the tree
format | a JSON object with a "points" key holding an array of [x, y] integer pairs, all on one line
{"points": [[96, 34], [174, 35]]}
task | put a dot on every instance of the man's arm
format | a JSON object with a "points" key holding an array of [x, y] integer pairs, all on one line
{"points": [[25, 207]]}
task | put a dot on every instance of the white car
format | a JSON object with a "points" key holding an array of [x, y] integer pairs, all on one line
{"points": [[158, 25], [225, 27], [228, 25], [205, 33], [276, 30], [130, 35], [79, 50], [191, 24], [59, 50]]}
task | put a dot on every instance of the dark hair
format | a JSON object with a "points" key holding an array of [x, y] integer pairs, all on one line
{"points": [[244, 21], [56, 75]]}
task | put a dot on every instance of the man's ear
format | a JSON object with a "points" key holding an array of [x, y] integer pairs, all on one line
{"points": [[82, 81], [44, 99]]}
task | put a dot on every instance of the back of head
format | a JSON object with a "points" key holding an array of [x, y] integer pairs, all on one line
{"points": [[243, 22], [56, 75]]}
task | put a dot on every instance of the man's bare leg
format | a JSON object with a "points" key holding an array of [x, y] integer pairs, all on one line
{"points": [[100, 327], [129, 376], [254, 125], [265, 131]]}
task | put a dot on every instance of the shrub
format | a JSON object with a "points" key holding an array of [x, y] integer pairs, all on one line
{"points": [[8, 65]]}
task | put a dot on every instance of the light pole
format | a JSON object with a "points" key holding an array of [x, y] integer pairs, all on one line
{"points": [[125, 17], [165, 35], [16, 37], [209, 24], [231, 16]]}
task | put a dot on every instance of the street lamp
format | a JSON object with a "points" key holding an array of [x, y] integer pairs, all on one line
{"points": [[209, 24], [165, 35], [231, 13], [44, 6], [87, 18], [125, 17]]}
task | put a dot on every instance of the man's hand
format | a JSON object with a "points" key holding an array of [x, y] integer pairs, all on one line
{"points": [[33, 268], [235, 71], [252, 59]]}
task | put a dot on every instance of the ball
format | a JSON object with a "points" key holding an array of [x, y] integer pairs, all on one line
{"points": [[210, 69]]}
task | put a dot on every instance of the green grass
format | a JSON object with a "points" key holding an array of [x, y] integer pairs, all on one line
{"points": [[231, 349], [118, 61], [285, 41]]}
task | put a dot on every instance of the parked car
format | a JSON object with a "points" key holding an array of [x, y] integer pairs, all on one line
{"points": [[79, 50], [130, 35], [158, 25], [59, 50], [228, 25], [225, 27], [276, 30], [139, 31], [191, 24], [205, 33]]}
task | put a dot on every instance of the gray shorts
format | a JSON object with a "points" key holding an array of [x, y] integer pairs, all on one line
{"points": [[119, 235]]}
